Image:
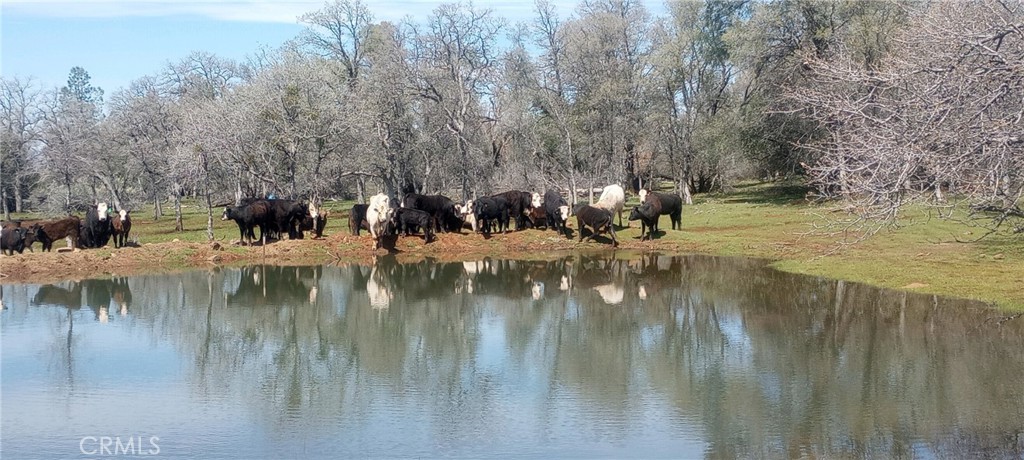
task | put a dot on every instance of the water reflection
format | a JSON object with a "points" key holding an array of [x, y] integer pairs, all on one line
{"points": [[589, 355]]}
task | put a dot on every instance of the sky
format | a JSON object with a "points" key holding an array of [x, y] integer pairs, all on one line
{"points": [[118, 41]]}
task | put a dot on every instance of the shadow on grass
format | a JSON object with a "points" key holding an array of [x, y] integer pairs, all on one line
{"points": [[651, 235], [774, 193], [603, 238]]}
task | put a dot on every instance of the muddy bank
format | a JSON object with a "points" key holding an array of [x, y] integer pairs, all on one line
{"points": [[40, 267]]}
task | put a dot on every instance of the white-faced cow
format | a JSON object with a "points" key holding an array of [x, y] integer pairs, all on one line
{"points": [[557, 211], [656, 204], [97, 227], [120, 227]]}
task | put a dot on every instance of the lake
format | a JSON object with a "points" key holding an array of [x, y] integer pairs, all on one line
{"points": [[592, 355]]}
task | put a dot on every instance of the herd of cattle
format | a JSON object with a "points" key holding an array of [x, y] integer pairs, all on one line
{"points": [[415, 214], [437, 213], [100, 226]]}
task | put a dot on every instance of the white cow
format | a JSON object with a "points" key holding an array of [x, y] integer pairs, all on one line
{"points": [[378, 214], [467, 214], [613, 197], [610, 293], [378, 291]]}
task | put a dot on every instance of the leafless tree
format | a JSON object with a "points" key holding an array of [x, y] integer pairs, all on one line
{"points": [[339, 31], [455, 57], [20, 124], [940, 118]]}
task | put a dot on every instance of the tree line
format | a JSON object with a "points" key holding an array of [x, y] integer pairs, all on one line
{"points": [[877, 104]]}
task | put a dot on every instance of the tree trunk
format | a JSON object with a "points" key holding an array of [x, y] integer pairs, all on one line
{"points": [[572, 189], [238, 191], [115, 196], [67, 196], [360, 189], [158, 210], [3, 202], [209, 213], [179, 226], [17, 194]]}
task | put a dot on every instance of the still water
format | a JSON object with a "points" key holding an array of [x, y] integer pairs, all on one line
{"points": [[585, 356]]}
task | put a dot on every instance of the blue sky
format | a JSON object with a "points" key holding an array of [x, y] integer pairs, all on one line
{"points": [[118, 41]]}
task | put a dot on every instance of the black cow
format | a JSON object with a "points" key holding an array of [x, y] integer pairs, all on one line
{"points": [[667, 203], [283, 216], [286, 216], [36, 233], [96, 228], [518, 202], [32, 234], [648, 215], [407, 221], [314, 225], [249, 216], [12, 239], [357, 219], [600, 220], [440, 207], [557, 211], [489, 209]]}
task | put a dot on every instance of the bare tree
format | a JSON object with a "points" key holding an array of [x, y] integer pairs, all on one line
{"points": [[20, 118], [339, 31], [455, 59], [943, 113], [198, 82], [145, 123], [387, 107]]}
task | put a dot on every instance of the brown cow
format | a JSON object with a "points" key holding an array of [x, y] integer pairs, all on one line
{"points": [[61, 228], [121, 226]]}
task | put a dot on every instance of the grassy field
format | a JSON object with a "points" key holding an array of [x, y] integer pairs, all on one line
{"points": [[757, 220]]}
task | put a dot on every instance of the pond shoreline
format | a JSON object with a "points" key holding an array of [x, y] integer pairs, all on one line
{"points": [[762, 220], [176, 256]]}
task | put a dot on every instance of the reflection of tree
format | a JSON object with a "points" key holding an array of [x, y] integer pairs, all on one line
{"points": [[770, 364]]}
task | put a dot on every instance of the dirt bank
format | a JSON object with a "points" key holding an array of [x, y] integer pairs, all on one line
{"points": [[40, 267]]}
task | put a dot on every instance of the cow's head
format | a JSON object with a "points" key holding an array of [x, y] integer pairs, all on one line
{"points": [[101, 210], [643, 195], [535, 200], [314, 212], [123, 214], [563, 212]]}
